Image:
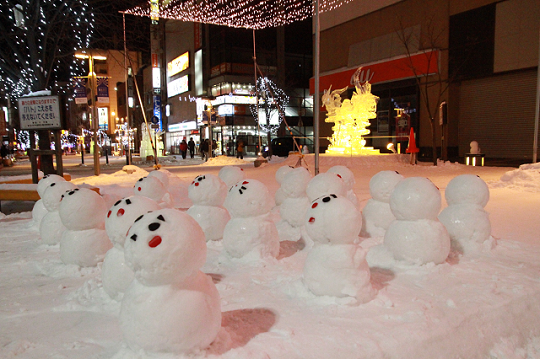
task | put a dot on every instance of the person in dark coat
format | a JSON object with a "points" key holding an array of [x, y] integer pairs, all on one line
{"points": [[191, 146], [183, 148]]}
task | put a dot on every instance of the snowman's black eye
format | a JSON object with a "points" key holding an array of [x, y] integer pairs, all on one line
{"points": [[134, 237], [333, 195], [160, 217], [326, 199], [116, 204], [153, 226], [46, 176], [53, 184], [128, 201], [140, 179], [71, 192], [139, 218]]}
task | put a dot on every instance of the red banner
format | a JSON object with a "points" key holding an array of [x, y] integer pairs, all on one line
{"points": [[398, 69]]}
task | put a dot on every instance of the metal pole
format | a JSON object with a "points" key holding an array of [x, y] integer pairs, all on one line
{"points": [[316, 94], [257, 96], [94, 117], [128, 154], [537, 108]]}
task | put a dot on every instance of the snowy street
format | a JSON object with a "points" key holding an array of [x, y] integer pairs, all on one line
{"points": [[484, 305]]}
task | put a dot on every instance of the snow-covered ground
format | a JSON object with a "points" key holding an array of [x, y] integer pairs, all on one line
{"points": [[480, 306]]}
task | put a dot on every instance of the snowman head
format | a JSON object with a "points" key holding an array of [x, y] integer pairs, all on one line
{"points": [[415, 198], [294, 183], [324, 184], [281, 172], [44, 183], [382, 184], [231, 175], [345, 174], [165, 247], [82, 209], [150, 187], [467, 189], [123, 213], [53, 194], [248, 198], [207, 190], [333, 219], [162, 175]]}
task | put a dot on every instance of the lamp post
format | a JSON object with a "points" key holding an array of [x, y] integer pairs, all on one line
{"points": [[92, 79]]}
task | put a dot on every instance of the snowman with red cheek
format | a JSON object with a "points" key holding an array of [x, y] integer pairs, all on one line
{"points": [[171, 306], [85, 242], [347, 176], [250, 233], [152, 187], [231, 175], [208, 192], [39, 210], [336, 266], [115, 274]]}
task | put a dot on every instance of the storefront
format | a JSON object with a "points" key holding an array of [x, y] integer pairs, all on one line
{"points": [[181, 131]]}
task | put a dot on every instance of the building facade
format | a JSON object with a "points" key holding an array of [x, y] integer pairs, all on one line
{"points": [[455, 71]]}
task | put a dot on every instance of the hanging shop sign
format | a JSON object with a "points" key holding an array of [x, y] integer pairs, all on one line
{"points": [[179, 64], [424, 63], [103, 118], [102, 90], [38, 113], [178, 86], [157, 110]]}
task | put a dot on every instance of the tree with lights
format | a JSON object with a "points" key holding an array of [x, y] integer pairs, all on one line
{"points": [[38, 39], [270, 111]]}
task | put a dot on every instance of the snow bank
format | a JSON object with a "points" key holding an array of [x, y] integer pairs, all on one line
{"points": [[525, 178]]}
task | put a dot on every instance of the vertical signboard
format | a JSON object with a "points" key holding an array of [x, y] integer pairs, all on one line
{"points": [[79, 89], [157, 110], [197, 35], [102, 90], [103, 118]]}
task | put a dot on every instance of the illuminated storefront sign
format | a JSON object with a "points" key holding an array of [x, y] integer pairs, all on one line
{"points": [[191, 125], [239, 100], [178, 65], [178, 86]]}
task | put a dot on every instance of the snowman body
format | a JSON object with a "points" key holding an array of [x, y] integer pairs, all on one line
{"points": [[39, 210], [294, 206], [171, 306], [416, 236], [51, 227], [85, 242], [347, 176], [465, 218], [208, 192], [250, 230]]}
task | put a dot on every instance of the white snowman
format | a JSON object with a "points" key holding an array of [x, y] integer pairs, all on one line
{"points": [[347, 176], [153, 187], [250, 232], [336, 265], [416, 236], [208, 192], [280, 174], [376, 214], [293, 208], [115, 274], [171, 307], [465, 218], [231, 175], [162, 175], [84, 242], [324, 184], [51, 227], [39, 210]]}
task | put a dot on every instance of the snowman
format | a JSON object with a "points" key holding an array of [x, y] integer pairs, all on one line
{"points": [[336, 265], [153, 187], [208, 192], [39, 210], [377, 215], [347, 176], [231, 175], [115, 274], [51, 227], [171, 307], [280, 174], [465, 218], [294, 206], [416, 236], [84, 242], [162, 175], [325, 184], [250, 232]]}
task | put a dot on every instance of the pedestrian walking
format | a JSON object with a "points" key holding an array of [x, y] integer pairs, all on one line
{"points": [[240, 149], [183, 148], [191, 146]]}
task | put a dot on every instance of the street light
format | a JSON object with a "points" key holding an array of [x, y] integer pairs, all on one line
{"points": [[92, 79]]}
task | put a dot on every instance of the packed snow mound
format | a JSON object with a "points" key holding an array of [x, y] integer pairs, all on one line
{"points": [[224, 161], [119, 177], [526, 178]]}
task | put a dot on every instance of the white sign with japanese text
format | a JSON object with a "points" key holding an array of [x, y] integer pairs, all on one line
{"points": [[38, 113]]}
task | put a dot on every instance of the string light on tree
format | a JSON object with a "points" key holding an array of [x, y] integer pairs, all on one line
{"points": [[270, 111]]}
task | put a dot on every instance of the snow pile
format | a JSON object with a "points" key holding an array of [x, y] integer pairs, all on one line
{"points": [[224, 161], [526, 178]]}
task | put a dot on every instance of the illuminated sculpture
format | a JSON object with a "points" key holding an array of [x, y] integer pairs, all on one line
{"points": [[351, 117]]}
